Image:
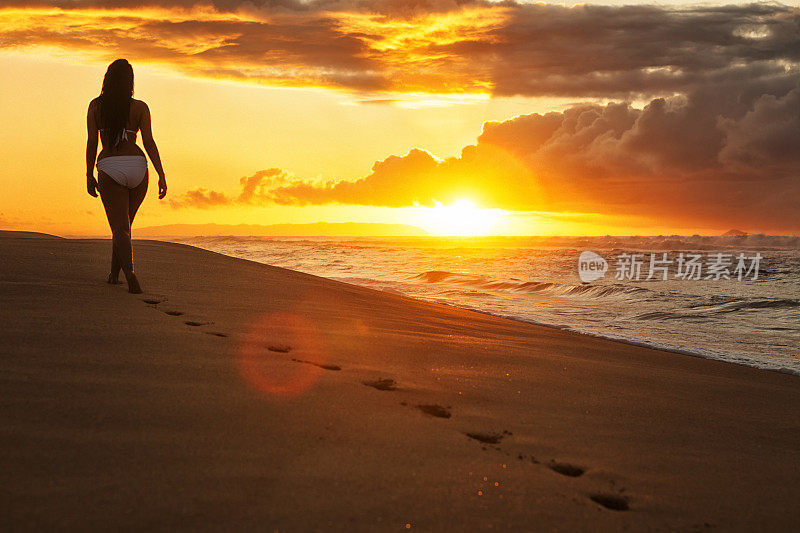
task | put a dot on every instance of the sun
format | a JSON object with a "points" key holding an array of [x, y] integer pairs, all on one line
{"points": [[462, 218]]}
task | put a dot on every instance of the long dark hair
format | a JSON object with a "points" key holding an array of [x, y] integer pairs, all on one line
{"points": [[115, 100]]}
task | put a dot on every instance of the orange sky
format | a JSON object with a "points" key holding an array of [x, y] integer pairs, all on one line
{"points": [[485, 119]]}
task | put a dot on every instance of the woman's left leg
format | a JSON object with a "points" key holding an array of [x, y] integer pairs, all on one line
{"points": [[135, 198], [116, 267]]}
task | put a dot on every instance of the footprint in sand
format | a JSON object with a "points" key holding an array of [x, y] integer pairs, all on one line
{"points": [[382, 384], [435, 410], [611, 501], [487, 438], [566, 469], [280, 348], [154, 302], [326, 367]]}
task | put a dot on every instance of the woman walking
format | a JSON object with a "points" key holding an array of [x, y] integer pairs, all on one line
{"points": [[122, 173]]}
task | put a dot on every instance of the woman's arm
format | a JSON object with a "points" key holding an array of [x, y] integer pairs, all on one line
{"points": [[91, 150], [152, 150]]}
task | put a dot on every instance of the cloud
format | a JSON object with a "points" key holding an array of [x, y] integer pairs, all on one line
{"points": [[617, 51], [255, 188], [702, 157], [768, 133], [253, 192], [201, 198], [439, 46]]}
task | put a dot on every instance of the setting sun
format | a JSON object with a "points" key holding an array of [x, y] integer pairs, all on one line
{"points": [[461, 218]]}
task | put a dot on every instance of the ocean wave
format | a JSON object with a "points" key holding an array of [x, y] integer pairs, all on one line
{"points": [[706, 311], [766, 303], [679, 243], [558, 289], [435, 276]]}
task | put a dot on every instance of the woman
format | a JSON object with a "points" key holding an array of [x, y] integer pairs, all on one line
{"points": [[121, 166]]}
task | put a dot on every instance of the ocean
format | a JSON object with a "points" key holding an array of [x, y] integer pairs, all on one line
{"points": [[753, 321]]}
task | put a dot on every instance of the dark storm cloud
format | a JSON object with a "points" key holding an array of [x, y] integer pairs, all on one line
{"points": [[609, 51]]}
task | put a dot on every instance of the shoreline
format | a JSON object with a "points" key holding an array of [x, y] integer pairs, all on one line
{"points": [[649, 344], [237, 395], [720, 356], [653, 345]]}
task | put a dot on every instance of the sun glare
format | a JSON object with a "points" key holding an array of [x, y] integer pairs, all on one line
{"points": [[461, 218]]}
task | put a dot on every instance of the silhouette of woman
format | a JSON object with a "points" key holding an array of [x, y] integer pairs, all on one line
{"points": [[121, 166]]}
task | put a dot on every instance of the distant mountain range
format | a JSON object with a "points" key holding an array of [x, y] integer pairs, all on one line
{"points": [[731, 232], [315, 229]]}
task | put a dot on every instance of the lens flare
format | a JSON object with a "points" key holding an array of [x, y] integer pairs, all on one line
{"points": [[274, 356]]}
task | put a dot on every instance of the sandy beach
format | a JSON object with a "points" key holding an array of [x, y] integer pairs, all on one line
{"points": [[233, 395]]}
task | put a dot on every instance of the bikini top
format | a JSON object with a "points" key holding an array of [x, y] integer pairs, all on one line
{"points": [[124, 134]]}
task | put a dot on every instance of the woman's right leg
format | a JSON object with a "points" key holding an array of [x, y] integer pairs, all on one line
{"points": [[116, 199]]}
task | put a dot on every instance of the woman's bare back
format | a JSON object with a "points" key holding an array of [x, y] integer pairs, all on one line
{"points": [[126, 146]]}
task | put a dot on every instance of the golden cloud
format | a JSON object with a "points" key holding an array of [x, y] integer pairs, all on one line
{"points": [[440, 47]]}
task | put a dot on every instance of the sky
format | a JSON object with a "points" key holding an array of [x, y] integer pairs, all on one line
{"points": [[457, 116]]}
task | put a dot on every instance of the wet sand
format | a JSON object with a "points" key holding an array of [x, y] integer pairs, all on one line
{"points": [[234, 395]]}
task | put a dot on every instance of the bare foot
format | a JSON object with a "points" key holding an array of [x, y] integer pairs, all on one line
{"points": [[113, 280], [133, 284]]}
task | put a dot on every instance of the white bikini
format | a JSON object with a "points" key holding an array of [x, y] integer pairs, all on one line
{"points": [[127, 170]]}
